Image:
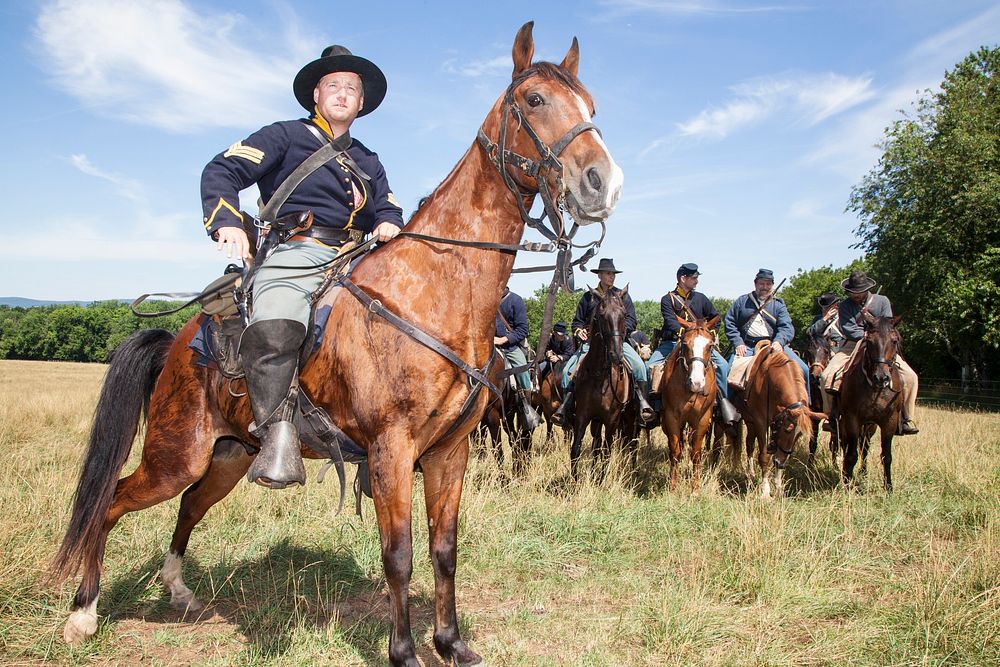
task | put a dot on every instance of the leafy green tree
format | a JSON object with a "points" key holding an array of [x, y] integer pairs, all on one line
{"points": [[930, 219], [805, 287]]}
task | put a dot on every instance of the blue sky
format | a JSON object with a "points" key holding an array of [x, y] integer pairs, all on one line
{"points": [[740, 126]]}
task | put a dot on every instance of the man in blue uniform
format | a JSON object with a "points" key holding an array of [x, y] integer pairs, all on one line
{"points": [[349, 196], [850, 319], [606, 273], [560, 348], [678, 307], [758, 316], [511, 332]]}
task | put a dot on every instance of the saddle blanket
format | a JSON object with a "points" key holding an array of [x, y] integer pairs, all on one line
{"points": [[742, 367]]}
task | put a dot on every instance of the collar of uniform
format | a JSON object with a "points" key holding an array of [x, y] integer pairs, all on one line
{"points": [[681, 293], [317, 119], [600, 289]]}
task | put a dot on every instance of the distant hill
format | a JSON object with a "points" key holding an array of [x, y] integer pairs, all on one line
{"points": [[21, 302]]}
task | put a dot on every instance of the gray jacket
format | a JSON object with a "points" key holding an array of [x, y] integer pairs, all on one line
{"points": [[850, 320]]}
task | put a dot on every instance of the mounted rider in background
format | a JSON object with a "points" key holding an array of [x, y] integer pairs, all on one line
{"points": [[606, 273], [510, 337]]}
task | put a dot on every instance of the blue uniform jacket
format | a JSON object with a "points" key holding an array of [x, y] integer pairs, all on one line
{"points": [[564, 348], [270, 154], [585, 308], [674, 314], [513, 309], [776, 318]]}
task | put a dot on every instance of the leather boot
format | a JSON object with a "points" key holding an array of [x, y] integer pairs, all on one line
{"points": [[531, 418], [269, 353], [561, 416], [646, 412], [727, 411]]}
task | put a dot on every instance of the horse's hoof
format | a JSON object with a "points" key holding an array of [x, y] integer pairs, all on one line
{"points": [[188, 605], [81, 626]]}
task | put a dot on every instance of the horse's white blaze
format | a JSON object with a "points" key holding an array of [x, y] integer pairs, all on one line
{"points": [[616, 178], [697, 377], [81, 625], [181, 596]]}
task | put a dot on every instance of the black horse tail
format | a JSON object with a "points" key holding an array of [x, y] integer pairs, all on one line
{"points": [[128, 386]]}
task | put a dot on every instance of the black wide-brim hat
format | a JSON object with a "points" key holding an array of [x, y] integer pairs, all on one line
{"points": [[827, 299], [606, 264], [337, 58], [857, 282]]}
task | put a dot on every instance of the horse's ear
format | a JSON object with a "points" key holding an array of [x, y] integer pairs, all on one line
{"points": [[625, 291], [896, 320], [595, 293], [868, 320], [712, 322], [524, 48], [571, 63]]}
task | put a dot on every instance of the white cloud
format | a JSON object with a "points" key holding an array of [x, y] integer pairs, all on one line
{"points": [[808, 99], [126, 187], [492, 67], [162, 63], [694, 7]]}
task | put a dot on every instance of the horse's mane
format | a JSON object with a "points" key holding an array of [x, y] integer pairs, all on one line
{"points": [[605, 299]]}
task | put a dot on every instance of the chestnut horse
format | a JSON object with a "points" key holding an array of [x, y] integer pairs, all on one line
{"points": [[687, 391], [777, 413], [603, 383], [818, 353], [392, 395], [871, 394]]}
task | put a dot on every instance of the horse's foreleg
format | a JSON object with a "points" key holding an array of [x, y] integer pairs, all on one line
{"points": [[850, 444], [229, 463], [602, 449], [813, 441], [444, 470], [697, 442], [764, 462], [887, 434], [391, 473], [864, 444], [574, 450], [674, 451]]}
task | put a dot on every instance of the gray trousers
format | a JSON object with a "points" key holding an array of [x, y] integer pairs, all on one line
{"points": [[283, 293]]}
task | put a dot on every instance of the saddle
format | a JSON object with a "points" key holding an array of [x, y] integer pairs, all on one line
{"points": [[743, 367]]}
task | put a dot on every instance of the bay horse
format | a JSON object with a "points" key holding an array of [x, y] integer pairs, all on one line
{"points": [[550, 396], [503, 416], [392, 395], [777, 414], [687, 392], [871, 394], [603, 383], [818, 353]]}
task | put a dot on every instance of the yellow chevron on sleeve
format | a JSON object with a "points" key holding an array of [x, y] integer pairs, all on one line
{"points": [[250, 153], [210, 220], [392, 200]]}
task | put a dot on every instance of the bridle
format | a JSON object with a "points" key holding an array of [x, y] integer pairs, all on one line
{"points": [[689, 366], [548, 162], [776, 426], [875, 362], [612, 340]]}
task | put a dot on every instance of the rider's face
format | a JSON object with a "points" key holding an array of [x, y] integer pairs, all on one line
{"points": [[607, 278], [858, 297], [339, 97], [763, 287], [688, 282]]}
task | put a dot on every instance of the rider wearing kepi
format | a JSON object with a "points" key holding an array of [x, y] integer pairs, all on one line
{"points": [[679, 307], [559, 349], [606, 273], [827, 323], [760, 315], [511, 332], [851, 312], [348, 196]]}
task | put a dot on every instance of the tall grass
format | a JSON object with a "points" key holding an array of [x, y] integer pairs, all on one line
{"points": [[551, 572]]}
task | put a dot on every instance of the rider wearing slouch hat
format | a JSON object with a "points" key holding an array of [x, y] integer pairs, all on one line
{"points": [[349, 196]]}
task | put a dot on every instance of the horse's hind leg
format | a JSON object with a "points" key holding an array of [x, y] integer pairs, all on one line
{"points": [[152, 482], [229, 463], [444, 468]]}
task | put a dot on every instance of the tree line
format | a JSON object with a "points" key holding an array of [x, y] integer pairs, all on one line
{"points": [[929, 234]]}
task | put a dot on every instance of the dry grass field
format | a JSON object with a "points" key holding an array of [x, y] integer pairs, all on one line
{"points": [[550, 572]]}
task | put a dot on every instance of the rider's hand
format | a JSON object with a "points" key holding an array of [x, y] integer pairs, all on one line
{"points": [[499, 340], [776, 346], [552, 356], [581, 334], [385, 231], [236, 240], [741, 350]]}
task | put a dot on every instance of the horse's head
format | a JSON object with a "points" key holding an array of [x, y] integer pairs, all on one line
{"points": [[817, 353], [541, 136], [792, 422], [695, 350], [881, 345], [607, 324]]}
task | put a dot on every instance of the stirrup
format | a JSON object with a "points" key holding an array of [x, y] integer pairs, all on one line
{"points": [[279, 462]]}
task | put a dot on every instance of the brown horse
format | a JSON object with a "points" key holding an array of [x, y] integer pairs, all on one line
{"points": [[603, 382], [392, 395], [550, 396], [688, 392], [818, 353], [777, 413], [503, 415], [871, 394]]}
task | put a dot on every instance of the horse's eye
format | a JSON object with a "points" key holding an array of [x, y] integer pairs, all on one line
{"points": [[535, 100]]}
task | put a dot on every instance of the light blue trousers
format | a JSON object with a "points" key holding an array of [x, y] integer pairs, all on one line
{"points": [[719, 361], [283, 293], [515, 356]]}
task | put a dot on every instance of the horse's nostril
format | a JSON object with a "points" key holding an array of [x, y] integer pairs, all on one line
{"points": [[594, 178]]}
